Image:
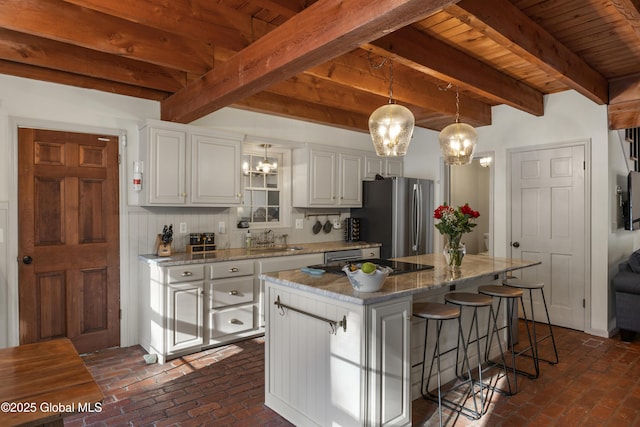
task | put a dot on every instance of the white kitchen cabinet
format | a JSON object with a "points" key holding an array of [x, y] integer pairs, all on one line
{"points": [[215, 171], [189, 166], [384, 166], [390, 367], [187, 308], [323, 177], [354, 377], [165, 174], [232, 309], [184, 320], [171, 314]]}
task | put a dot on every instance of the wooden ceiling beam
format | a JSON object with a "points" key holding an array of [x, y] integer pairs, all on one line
{"points": [[197, 19], [271, 103], [61, 77], [32, 50], [409, 87], [508, 26], [430, 56], [94, 30], [630, 11], [624, 104], [323, 31]]}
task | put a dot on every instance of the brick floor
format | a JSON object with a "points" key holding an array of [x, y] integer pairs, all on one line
{"points": [[596, 383]]}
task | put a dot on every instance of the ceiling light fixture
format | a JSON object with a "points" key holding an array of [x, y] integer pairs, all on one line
{"points": [[265, 166], [391, 126], [458, 140]]}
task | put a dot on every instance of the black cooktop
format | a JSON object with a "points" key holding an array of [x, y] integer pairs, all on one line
{"points": [[398, 267]]}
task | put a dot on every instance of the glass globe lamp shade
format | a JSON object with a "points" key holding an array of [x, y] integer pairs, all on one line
{"points": [[458, 142], [391, 128]]}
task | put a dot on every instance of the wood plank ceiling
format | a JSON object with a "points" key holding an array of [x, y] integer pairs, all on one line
{"points": [[330, 61]]}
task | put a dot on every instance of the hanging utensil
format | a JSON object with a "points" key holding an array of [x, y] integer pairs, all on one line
{"points": [[317, 227], [327, 226]]}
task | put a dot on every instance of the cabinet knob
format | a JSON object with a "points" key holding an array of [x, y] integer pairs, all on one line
{"points": [[233, 270], [235, 322], [187, 274], [233, 292], [183, 194]]}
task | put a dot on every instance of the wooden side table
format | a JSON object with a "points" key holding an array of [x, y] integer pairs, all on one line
{"points": [[44, 382]]}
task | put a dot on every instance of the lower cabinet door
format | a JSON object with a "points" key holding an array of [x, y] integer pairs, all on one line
{"points": [[185, 315], [389, 373], [231, 321]]}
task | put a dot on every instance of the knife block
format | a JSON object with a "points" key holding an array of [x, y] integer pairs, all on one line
{"points": [[161, 249]]}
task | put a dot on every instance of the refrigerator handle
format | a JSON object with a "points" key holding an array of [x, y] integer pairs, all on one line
{"points": [[416, 223]]}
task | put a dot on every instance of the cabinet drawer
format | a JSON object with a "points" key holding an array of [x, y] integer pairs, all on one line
{"points": [[230, 291], [186, 273], [231, 321], [220, 270]]}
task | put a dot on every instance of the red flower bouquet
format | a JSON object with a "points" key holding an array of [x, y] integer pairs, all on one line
{"points": [[454, 223]]}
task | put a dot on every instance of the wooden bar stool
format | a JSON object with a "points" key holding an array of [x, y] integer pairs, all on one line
{"points": [[476, 301], [440, 313], [532, 286], [511, 295]]}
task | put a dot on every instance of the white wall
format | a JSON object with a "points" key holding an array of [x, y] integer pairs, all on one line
{"points": [[568, 117]]}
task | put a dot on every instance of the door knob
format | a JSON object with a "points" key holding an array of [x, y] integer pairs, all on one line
{"points": [[516, 244], [27, 259]]}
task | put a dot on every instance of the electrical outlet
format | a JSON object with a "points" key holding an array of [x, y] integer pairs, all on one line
{"points": [[222, 227], [299, 224], [183, 227]]}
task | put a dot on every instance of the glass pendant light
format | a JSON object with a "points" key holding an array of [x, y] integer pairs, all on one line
{"points": [[458, 140], [391, 126], [265, 166]]}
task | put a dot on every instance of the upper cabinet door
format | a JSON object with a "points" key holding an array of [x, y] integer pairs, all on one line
{"points": [[350, 179], [215, 171], [166, 167], [322, 187], [373, 165], [394, 167]]}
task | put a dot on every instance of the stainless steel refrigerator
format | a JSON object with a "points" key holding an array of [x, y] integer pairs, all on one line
{"points": [[397, 212]]}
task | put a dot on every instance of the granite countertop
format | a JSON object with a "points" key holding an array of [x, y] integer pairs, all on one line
{"points": [[338, 287], [184, 258]]}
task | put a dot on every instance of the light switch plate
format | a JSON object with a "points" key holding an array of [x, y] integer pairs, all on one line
{"points": [[299, 224], [183, 227], [222, 227]]}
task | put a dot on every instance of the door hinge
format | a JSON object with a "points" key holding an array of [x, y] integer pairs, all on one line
{"points": [[584, 165], [584, 303], [120, 314]]}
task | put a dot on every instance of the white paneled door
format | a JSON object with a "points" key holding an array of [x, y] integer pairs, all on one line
{"points": [[548, 219]]}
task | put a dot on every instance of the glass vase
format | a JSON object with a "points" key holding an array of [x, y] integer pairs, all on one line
{"points": [[453, 255]]}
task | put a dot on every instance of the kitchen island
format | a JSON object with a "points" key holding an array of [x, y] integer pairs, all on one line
{"points": [[335, 356]]}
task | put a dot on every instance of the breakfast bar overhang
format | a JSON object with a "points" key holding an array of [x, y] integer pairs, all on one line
{"points": [[338, 357]]}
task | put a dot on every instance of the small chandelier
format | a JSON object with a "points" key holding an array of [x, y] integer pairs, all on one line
{"points": [[265, 166], [458, 140], [391, 126]]}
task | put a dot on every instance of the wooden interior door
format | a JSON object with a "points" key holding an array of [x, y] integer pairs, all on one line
{"points": [[68, 238]]}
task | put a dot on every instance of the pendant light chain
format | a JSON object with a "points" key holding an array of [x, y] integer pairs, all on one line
{"points": [[390, 81], [457, 105]]}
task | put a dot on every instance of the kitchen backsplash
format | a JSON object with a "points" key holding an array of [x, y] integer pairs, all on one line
{"points": [[146, 223]]}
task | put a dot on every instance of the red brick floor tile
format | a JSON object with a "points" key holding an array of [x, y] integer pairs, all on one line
{"points": [[596, 383]]}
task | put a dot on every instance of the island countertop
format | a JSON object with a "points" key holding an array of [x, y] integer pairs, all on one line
{"points": [[338, 287]]}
